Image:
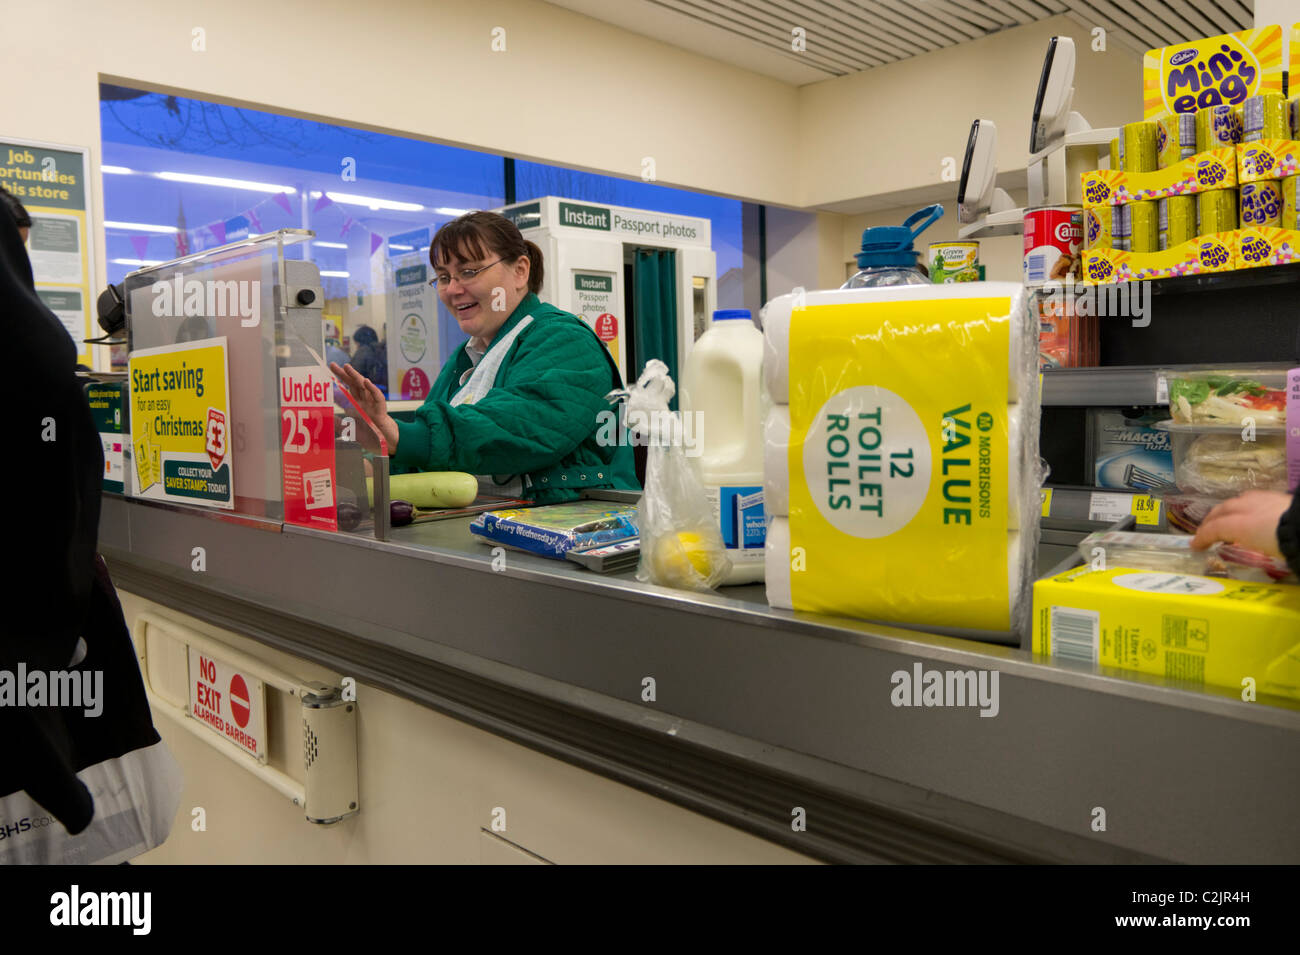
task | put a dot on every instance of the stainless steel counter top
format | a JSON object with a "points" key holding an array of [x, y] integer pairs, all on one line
{"points": [[755, 711]]}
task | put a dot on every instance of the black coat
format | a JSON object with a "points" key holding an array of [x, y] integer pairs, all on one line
{"points": [[51, 491]]}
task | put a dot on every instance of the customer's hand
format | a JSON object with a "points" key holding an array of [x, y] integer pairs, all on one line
{"points": [[370, 400], [1249, 520]]}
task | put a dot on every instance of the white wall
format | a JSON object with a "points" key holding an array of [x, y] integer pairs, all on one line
{"points": [[567, 90], [428, 786], [803, 250], [889, 129]]}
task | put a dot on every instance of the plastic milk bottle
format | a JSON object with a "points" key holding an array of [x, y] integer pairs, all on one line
{"points": [[722, 386]]}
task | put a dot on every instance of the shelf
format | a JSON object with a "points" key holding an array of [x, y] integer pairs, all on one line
{"points": [[1227, 281], [1120, 386], [1239, 317], [1095, 508], [1090, 387]]}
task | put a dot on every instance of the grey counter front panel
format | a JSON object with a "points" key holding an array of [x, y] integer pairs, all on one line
{"points": [[756, 711]]}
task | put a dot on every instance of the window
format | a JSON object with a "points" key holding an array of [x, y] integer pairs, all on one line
{"points": [[182, 175]]}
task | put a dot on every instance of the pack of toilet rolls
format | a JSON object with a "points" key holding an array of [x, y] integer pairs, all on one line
{"points": [[901, 455]]}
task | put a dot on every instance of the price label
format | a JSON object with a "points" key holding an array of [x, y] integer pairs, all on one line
{"points": [[1045, 495], [1162, 390], [1108, 508], [1146, 509]]}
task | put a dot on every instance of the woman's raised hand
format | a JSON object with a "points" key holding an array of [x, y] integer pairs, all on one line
{"points": [[370, 400]]}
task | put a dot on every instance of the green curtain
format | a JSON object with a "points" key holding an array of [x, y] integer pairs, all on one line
{"points": [[654, 296]]}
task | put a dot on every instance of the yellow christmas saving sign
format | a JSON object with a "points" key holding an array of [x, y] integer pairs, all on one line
{"points": [[180, 416], [1224, 69]]}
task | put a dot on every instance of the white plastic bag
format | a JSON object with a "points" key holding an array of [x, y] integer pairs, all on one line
{"points": [[681, 543], [136, 796]]}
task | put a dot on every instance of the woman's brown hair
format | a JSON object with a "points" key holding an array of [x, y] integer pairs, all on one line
{"points": [[482, 235]]}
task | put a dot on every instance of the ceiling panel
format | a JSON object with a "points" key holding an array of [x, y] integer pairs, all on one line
{"points": [[849, 36]]}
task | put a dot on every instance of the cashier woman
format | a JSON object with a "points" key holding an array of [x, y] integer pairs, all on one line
{"points": [[518, 406]]}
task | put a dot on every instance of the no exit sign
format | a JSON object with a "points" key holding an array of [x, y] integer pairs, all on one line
{"points": [[228, 701]]}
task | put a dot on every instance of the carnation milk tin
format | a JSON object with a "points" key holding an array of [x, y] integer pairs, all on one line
{"points": [[1053, 236]]}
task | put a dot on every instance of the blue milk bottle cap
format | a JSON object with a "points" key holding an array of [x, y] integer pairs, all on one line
{"points": [[891, 245], [719, 314]]}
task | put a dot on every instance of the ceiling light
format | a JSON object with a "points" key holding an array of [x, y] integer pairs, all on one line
{"points": [[246, 184], [347, 198], [328, 245], [334, 275], [138, 262], [116, 170], [141, 227], [448, 211]]}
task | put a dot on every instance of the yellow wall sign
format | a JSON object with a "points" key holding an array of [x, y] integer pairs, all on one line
{"points": [[51, 183], [180, 419], [1224, 69]]}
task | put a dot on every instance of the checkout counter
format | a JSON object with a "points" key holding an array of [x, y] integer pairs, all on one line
{"points": [[532, 710]]}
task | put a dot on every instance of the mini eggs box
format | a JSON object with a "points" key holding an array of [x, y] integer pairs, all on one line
{"points": [[1222, 69], [1205, 253], [1263, 246], [1267, 159], [1212, 169]]}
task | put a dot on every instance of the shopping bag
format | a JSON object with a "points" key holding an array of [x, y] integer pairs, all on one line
{"points": [[136, 796], [681, 542], [111, 744]]}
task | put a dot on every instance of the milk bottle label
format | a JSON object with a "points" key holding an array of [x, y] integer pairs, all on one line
{"points": [[739, 509]]}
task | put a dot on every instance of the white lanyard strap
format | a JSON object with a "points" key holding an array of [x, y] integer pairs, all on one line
{"points": [[485, 372]]}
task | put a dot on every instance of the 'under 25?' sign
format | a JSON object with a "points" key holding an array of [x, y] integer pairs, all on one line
{"points": [[180, 424], [307, 432]]}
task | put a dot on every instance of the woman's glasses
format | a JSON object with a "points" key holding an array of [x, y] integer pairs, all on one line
{"points": [[464, 276]]}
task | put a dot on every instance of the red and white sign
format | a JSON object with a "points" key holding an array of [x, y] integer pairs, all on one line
{"points": [[229, 702], [415, 385], [216, 444], [307, 445], [606, 327], [239, 704]]}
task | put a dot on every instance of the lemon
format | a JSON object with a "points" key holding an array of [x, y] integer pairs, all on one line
{"points": [[678, 558]]}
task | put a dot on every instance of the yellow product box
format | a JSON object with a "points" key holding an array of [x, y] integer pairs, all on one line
{"points": [[1212, 169], [1203, 630], [1267, 159], [1205, 253], [1223, 69], [1256, 247]]}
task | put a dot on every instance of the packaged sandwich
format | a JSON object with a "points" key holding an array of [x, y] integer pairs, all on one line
{"points": [[1223, 460], [1173, 553], [1228, 397]]}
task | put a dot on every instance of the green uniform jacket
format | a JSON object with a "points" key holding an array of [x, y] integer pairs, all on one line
{"points": [[540, 418]]}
